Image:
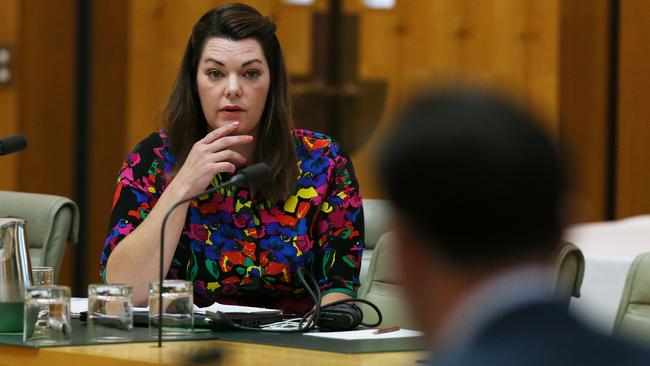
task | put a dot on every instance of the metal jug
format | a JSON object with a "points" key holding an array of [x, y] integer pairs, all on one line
{"points": [[15, 273]]}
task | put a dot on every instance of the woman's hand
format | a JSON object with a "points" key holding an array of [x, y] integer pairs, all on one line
{"points": [[210, 156]]}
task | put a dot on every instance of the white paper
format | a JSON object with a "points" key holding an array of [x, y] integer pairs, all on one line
{"points": [[78, 304], [216, 307], [222, 308], [367, 334]]}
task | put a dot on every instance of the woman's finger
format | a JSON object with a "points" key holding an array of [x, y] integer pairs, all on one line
{"points": [[227, 142], [229, 156], [219, 132]]}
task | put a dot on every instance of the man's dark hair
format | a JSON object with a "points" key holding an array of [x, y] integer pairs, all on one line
{"points": [[478, 174]]}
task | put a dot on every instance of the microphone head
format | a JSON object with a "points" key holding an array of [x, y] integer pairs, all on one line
{"points": [[253, 174], [13, 144]]}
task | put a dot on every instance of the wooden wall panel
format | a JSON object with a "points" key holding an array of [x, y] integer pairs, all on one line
{"points": [[294, 31], [633, 183], [46, 104], [584, 72], [9, 22], [508, 45], [108, 113]]}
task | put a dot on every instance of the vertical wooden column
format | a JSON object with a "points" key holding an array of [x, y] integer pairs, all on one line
{"points": [[633, 143], [584, 71]]}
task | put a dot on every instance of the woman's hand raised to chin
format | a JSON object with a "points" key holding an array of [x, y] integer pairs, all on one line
{"points": [[210, 156]]}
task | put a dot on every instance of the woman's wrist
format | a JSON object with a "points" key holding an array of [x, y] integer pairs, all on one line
{"points": [[177, 190]]}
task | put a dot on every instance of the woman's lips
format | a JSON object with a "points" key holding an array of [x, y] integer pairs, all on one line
{"points": [[231, 110]]}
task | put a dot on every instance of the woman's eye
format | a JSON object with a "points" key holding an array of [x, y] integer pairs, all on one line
{"points": [[214, 74], [252, 74]]}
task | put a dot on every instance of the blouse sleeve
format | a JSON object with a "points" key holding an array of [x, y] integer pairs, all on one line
{"points": [[340, 230], [136, 194]]}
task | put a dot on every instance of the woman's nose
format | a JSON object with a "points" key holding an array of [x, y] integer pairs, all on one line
{"points": [[233, 90]]}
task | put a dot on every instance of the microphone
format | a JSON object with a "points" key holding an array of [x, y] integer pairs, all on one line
{"points": [[251, 174], [12, 144]]}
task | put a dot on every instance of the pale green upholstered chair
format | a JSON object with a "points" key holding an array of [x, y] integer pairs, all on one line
{"points": [[52, 221], [633, 317], [569, 271], [382, 289], [376, 214]]}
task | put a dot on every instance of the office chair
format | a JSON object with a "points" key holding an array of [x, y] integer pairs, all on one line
{"points": [[633, 316], [569, 272], [52, 221]]}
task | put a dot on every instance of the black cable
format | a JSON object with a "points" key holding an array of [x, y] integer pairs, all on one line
{"points": [[312, 321]]}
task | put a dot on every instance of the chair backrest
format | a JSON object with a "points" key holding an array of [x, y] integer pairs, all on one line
{"points": [[382, 287], [569, 272], [633, 317], [376, 214], [52, 221]]}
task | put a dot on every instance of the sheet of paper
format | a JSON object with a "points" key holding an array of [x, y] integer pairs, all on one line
{"points": [[78, 304], [216, 307], [223, 308], [367, 334]]}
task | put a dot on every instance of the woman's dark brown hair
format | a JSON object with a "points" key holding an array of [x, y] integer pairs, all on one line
{"points": [[183, 116]]}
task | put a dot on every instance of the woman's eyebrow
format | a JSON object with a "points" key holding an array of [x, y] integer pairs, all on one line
{"points": [[210, 59], [215, 61], [250, 62]]}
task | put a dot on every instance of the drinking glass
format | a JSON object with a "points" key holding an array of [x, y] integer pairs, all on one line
{"points": [[43, 275], [110, 312], [46, 318], [178, 308]]}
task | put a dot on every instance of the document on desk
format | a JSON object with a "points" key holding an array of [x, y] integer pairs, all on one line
{"points": [[80, 304], [226, 309], [216, 307], [77, 305], [353, 335]]}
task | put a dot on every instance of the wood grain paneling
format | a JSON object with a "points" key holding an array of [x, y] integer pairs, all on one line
{"points": [[584, 72], [294, 31], [107, 145], [46, 104], [633, 183], [9, 11], [509, 45]]}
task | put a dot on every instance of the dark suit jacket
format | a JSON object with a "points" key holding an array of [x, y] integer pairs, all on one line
{"points": [[543, 334]]}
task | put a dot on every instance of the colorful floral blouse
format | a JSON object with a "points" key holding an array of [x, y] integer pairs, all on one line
{"points": [[239, 249]]}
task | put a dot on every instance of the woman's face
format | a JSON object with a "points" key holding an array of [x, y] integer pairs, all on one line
{"points": [[233, 81]]}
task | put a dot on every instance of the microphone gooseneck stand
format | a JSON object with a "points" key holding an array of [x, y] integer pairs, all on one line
{"points": [[251, 174]]}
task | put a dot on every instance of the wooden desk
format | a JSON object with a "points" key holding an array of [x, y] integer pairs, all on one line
{"points": [[179, 353]]}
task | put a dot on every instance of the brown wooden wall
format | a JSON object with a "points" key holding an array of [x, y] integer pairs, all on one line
{"points": [[40, 102], [633, 140], [553, 55]]}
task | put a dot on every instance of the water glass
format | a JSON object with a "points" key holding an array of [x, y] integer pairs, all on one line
{"points": [[42, 275], [178, 308], [46, 318], [110, 313]]}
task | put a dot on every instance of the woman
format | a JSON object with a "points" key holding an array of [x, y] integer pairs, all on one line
{"points": [[229, 108]]}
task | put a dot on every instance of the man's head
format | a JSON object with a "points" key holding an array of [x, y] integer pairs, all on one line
{"points": [[477, 186]]}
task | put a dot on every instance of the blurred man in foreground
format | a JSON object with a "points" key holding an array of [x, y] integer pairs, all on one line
{"points": [[479, 190]]}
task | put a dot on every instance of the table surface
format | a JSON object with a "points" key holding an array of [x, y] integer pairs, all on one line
{"points": [[185, 353]]}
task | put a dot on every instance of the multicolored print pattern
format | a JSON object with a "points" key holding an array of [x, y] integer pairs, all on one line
{"points": [[240, 249]]}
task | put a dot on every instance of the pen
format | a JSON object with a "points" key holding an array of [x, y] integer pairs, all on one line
{"points": [[386, 330]]}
